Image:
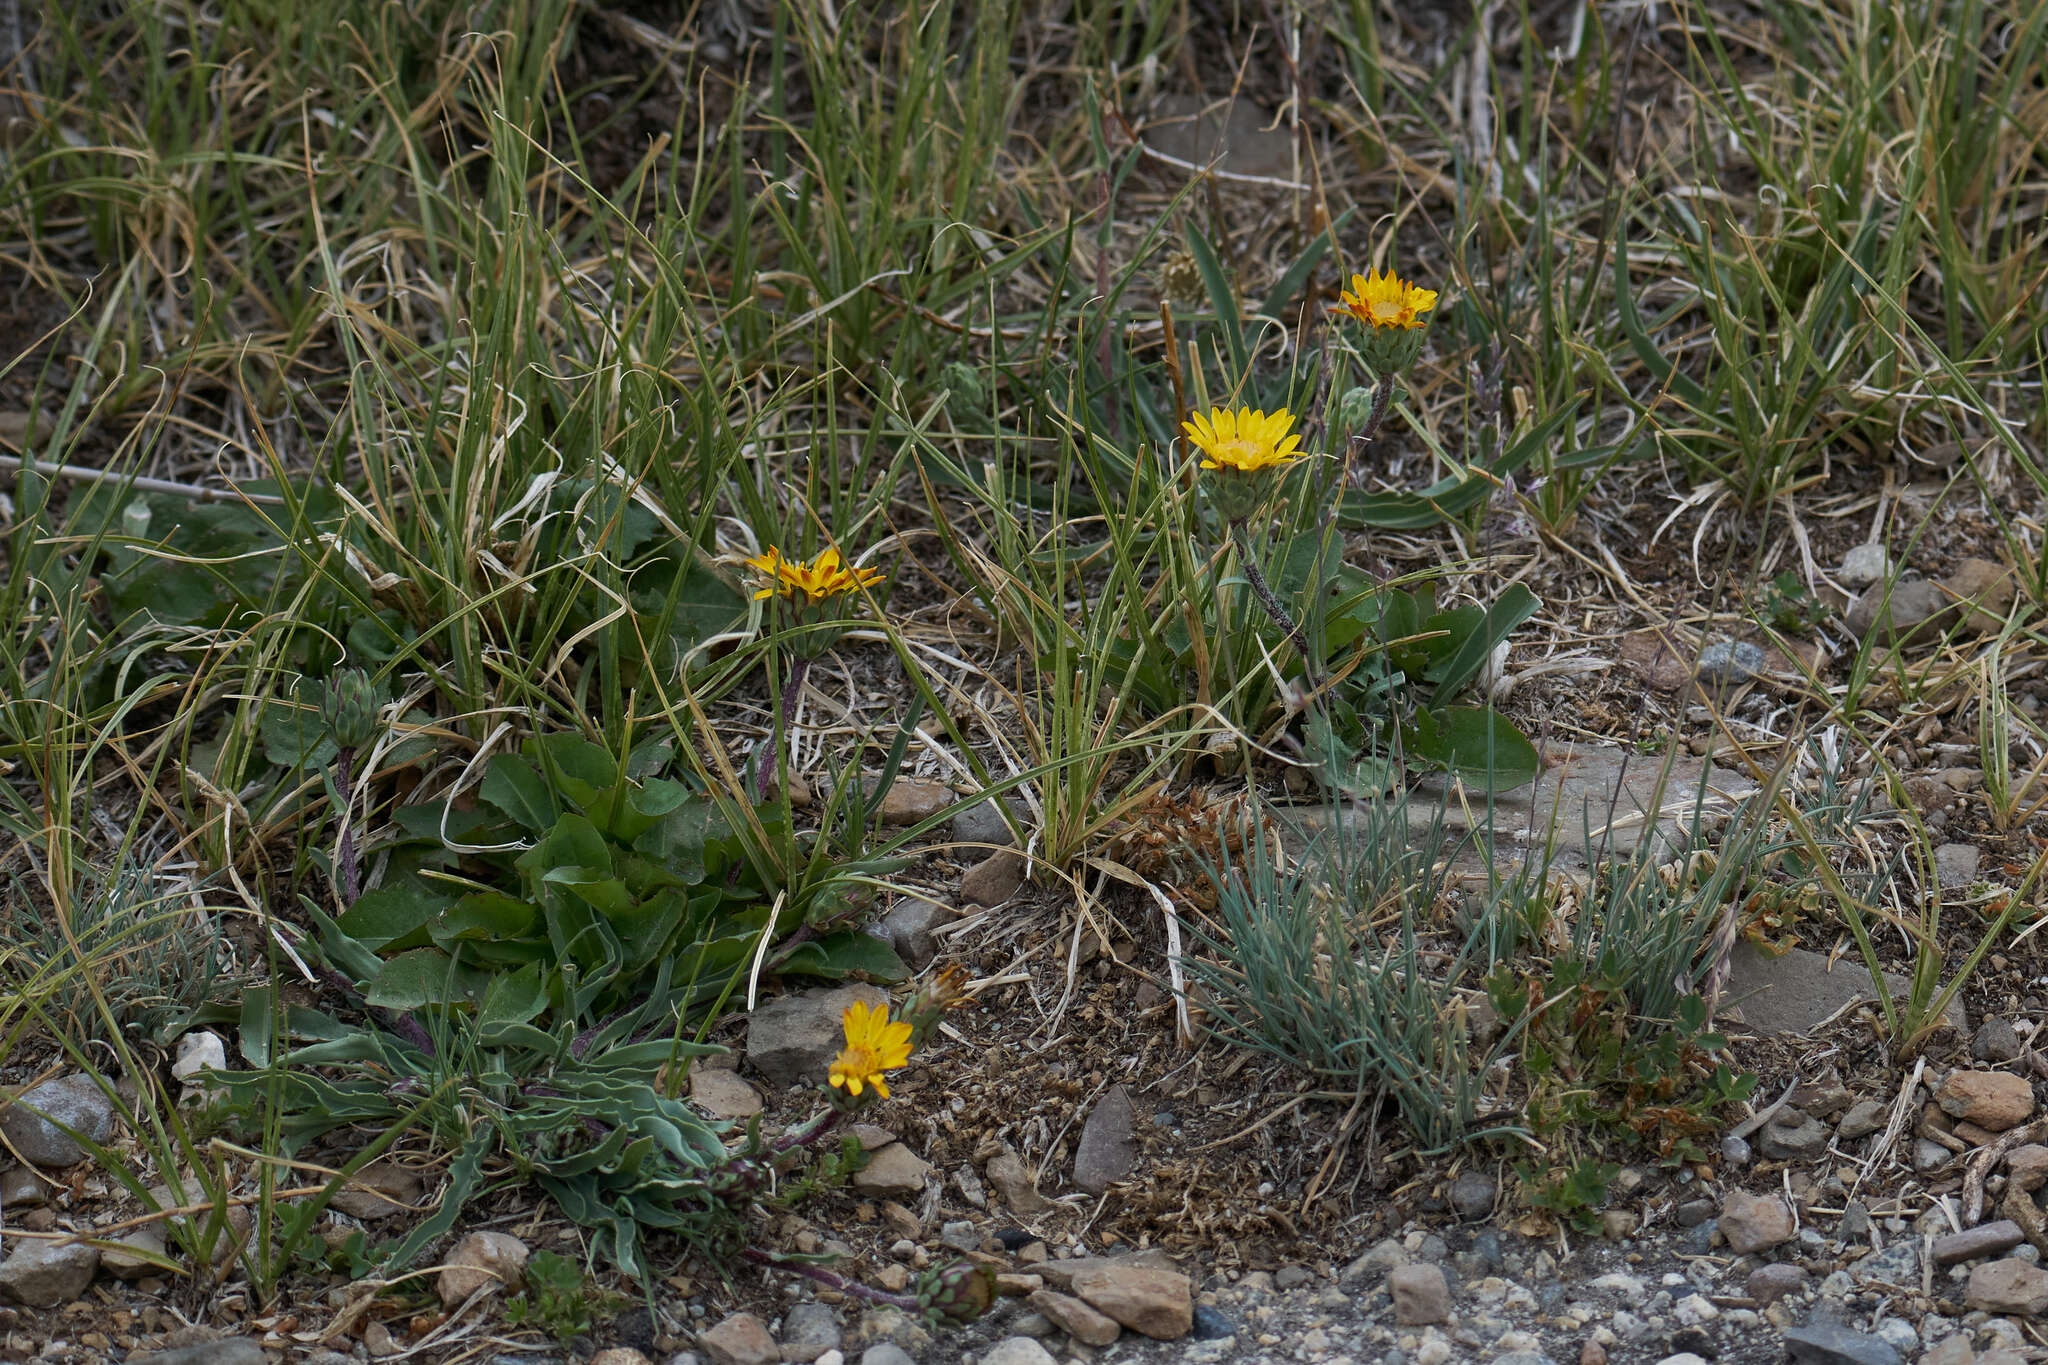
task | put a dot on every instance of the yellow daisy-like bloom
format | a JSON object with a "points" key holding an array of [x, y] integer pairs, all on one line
{"points": [[1381, 299], [874, 1045], [1244, 440], [826, 576]]}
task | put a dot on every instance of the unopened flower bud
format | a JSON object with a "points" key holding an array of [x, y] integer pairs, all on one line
{"points": [[351, 709]]}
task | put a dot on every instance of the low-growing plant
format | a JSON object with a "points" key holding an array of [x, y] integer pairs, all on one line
{"points": [[1336, 962], [555, 1299]]}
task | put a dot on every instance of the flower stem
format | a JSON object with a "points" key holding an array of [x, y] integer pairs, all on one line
{"points": [[351, 875], [1242, 539], [825, 1277], [1381, 401], [765, 770]]}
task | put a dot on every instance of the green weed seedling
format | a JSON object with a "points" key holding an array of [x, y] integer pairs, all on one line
{"points": [[556, 1299]]}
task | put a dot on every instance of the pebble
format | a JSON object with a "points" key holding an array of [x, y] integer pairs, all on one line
{"points": [[1421, 1294], [1752, 1223], [1107, 1150], [1473, 1193], [1864, 564], [1727, 662], [1825, 1344], [1211, 1324], [76, 1102], [44, 1274], [1996, 1041], [1863, 1118], [1993, 1100]]}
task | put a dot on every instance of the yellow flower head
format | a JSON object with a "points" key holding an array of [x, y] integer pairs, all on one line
{"points": [[803, 584], [1243, 440], [1383, 300], [873, 1045]]}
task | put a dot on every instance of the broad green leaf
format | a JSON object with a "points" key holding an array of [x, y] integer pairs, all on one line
{"points": [[1475, 743], [424, 977], [515, 787], [258, 1025], [514, 998], [843, 953], [485, 915], [392, 918]]}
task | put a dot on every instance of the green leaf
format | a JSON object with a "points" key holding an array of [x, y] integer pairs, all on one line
{"points": [[1475, 743], [843, 953], [392, 918], [515, 787], [516, 998], [484, 916], [1223, 298], [424, 977], [258, 1025], [1474, 635], [294, 733]]}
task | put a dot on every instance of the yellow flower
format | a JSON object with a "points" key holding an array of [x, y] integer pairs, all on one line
{"points": [[873, 1045], [1243, 440], [826, 576], [1383, 300]]}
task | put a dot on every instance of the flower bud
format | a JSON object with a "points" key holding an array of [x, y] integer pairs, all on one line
{"points": [[351, 709], [966, 395], [959, 1292], [1354, 409]]}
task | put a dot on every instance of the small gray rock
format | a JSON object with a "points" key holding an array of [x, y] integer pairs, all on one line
{"points": [[1727, 662], [74, 1101], [1014, 1351], [1106, 1151], [1473, 1193], [908, 928], [1929, 1156], [886, 1353], [1996, 1041], [1735, 1151], [44, 1274], [1864, 565], [1211, 1324], [1955, 865], [795, 1037], [1291, 1277], [1898, 1264], [808, 1331], [1694, 1212], [1909, 604], [1793, 1136], [22, 1188], [1769, 1283], [983, 823], [1827, 1345], [1855, 1225], [960, 1235], [1862, 1119]]}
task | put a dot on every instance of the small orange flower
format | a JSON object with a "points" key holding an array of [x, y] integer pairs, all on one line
{"points": [[1383, 300], [874, 1045], [804, 584]]}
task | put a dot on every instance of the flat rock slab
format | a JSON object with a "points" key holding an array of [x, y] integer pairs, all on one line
{"points": [[1591, 802], [1799, 991], [1237, 134]]}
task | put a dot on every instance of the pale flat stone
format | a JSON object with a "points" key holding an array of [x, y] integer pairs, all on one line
{"points": [[1797, 991]]}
